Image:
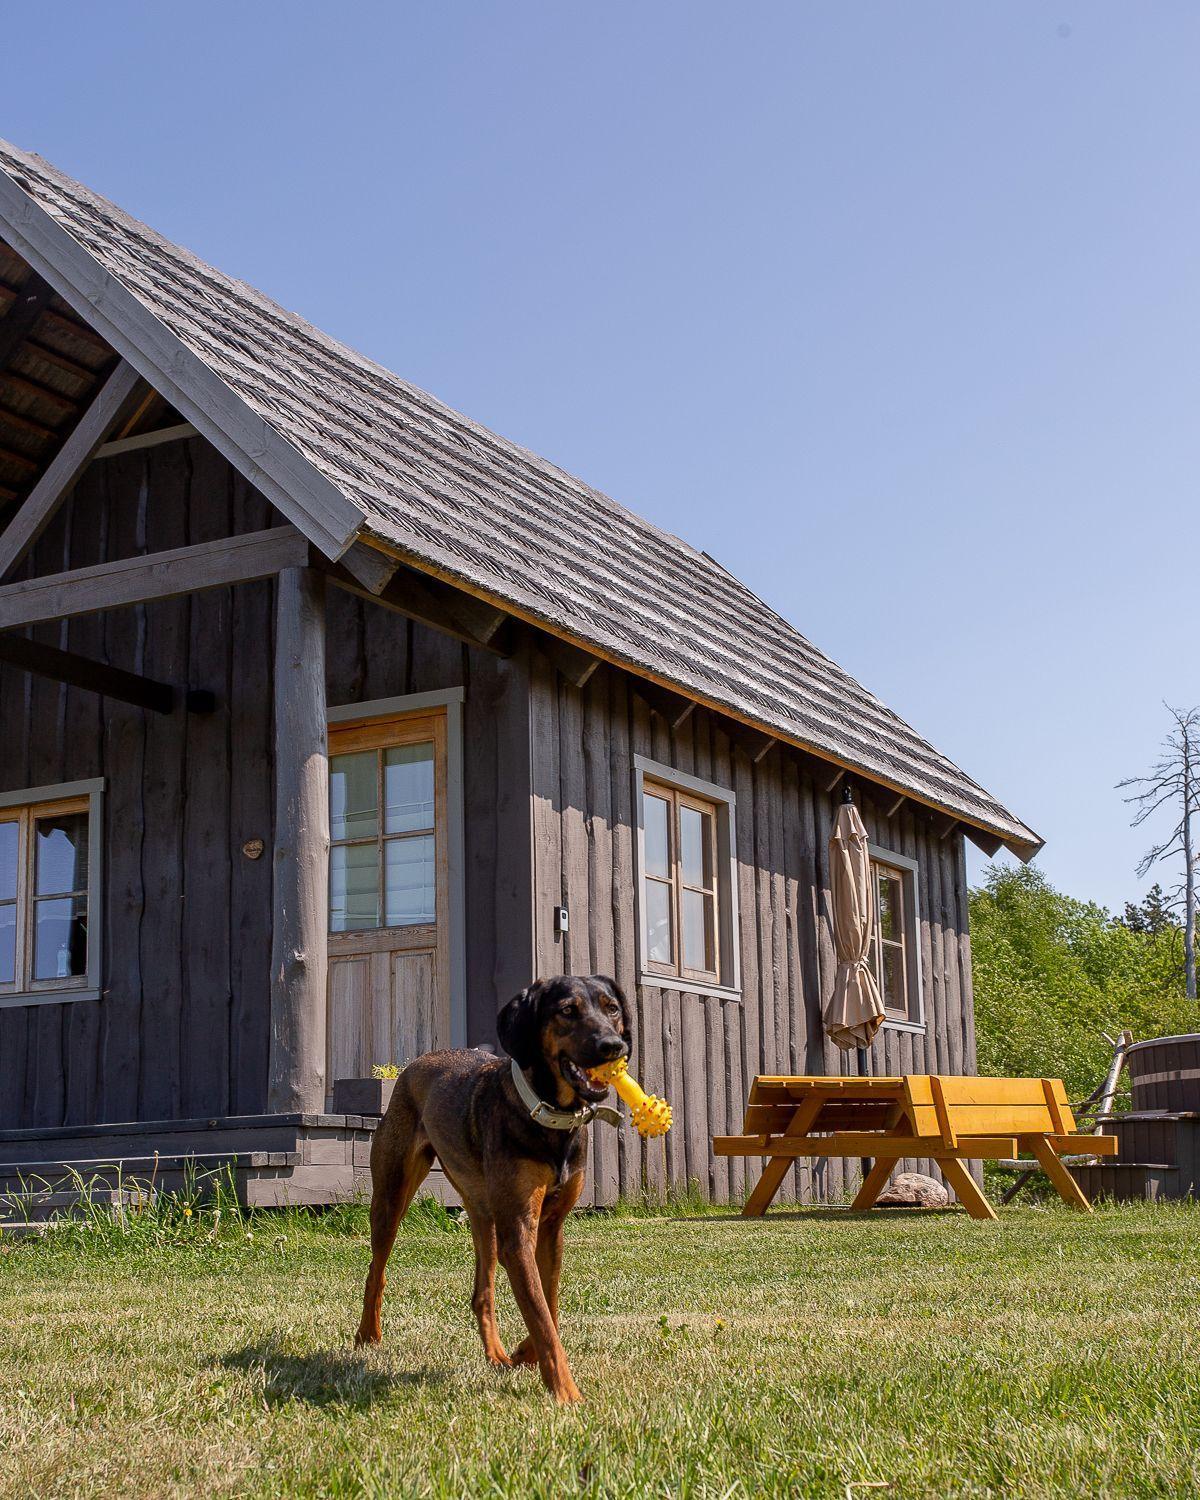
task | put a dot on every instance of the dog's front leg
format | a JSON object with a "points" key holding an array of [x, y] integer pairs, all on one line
{"points": [[549, 1256], [517, 1246], [483, 1298]]}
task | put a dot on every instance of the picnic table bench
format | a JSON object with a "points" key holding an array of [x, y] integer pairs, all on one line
{"points": [[948, 1119]]}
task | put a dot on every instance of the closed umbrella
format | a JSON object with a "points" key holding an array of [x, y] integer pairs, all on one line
{"points": [[855, 1011]]}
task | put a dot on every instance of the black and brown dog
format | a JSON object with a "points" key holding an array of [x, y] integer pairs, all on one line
{"points": [[518, 1178]]}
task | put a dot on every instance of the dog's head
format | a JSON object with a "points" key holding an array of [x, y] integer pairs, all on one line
{"points": [[560, 1027]]}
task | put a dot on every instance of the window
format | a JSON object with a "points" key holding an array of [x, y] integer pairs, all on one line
{"points": [[895, 943], [382, 816], [49, 854], [687, 891]]}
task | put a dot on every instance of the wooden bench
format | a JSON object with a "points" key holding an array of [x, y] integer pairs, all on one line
{"points": [[948, 1119]]}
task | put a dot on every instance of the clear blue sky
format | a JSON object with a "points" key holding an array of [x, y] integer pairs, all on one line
{"points": [[916, 283]]}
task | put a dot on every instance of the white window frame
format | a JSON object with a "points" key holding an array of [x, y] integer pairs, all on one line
{"points": [[729, 945], [86, 986], [911, 871]]}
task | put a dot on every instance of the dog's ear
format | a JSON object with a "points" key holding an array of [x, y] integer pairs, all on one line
{"points": [[619, 995], [516, 1026]]}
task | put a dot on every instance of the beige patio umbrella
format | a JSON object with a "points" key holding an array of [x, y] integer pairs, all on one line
{"points": [[855, 1010]]}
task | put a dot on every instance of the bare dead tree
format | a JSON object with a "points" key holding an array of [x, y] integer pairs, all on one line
{"points": [[1174, 782]]}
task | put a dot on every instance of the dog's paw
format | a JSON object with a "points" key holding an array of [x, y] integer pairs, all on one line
{"points": [[369, 1336], [525, 1353], [499, 1360]]}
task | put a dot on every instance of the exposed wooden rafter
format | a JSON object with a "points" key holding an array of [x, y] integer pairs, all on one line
{"points": [[30, 302], [673, 707], [431, 603], [895, 805], [66, 466], [755, 743], [572, 662], [161, 575]]}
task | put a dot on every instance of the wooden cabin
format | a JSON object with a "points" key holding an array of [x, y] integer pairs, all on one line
{"points": [[328, 719]]}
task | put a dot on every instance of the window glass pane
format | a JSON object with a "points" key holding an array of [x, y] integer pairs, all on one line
{"points": [[695, 847], [61, 844], [698, 949], [353, 887], [890, 907], [352, 796], [60, 938], [10, 835], [407, 788], [411, 881], [8, 944], [658, 842], [895, 989], [659, 946]]}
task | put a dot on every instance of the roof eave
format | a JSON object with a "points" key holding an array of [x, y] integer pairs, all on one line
{"points": [[290, 482]]}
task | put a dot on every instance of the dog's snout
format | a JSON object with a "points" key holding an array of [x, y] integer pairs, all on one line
{"points": [[611, 1048]]}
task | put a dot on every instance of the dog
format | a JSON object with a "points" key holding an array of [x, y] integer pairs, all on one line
{"points": [[517, 1162]]}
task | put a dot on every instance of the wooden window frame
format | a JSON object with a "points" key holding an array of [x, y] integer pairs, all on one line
{"points": [[682, 791], [912, 1017], [379, 734], [25, 808]]}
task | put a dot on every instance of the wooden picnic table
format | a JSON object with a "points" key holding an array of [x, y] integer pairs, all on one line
{"points": [[948, 1119]]}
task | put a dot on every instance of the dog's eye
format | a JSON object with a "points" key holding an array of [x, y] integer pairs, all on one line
{"points": [[570, 1010]]}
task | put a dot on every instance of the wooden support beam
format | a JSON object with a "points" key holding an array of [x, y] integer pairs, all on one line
{"points": [[673, 707], [572, 662], [160, 575], [434, 604], [755, 743], [988, 842], [155, 439], [895, 806], [29, 303], [66, 466], [944, 825], [372, 568], [300, 899], [83, 672], [831, 782]]}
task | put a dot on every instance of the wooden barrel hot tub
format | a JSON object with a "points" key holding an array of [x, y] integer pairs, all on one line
{"points": [[1164, 1073]]}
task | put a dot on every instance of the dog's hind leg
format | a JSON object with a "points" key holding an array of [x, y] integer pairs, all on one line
{"points": [[401, 1157], [483, 1297]]}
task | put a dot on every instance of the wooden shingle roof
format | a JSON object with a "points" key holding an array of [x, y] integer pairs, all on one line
{"points": [[351, 452]]}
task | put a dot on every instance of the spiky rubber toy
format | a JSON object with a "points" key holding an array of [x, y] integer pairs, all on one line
{"points": [[651, 1115]]}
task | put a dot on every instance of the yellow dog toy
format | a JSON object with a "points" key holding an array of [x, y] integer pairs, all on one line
{"points": [[651, 1115]]}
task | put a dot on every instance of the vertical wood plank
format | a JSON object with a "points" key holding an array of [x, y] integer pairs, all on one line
{"points": [[165, 795], [207, 989]]}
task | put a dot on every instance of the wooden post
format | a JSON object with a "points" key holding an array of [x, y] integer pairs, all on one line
{"points": [[300, 906]]}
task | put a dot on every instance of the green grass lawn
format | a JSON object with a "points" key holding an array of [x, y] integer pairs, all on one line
{"points": [[813, 1353]]}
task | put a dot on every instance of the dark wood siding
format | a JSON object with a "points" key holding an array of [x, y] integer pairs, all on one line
{"points": [[183, 1025], [702, 1050]]}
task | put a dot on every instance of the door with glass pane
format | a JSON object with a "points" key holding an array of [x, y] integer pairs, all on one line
{"points": [[389, 995]]}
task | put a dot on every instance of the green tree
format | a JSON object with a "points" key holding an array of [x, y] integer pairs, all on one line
{"points": [[1053, 974]]}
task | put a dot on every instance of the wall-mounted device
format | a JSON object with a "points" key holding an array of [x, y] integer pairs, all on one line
{"points": [[562, 919]]}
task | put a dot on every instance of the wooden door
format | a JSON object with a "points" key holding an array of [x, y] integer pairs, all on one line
{"points": [[389, 909]]}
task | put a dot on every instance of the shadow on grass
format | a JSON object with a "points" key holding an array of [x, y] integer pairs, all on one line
{"points": [[326, 1378], [825, 1215]]}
